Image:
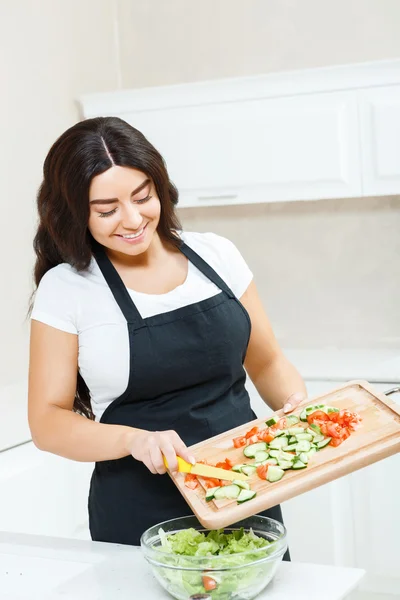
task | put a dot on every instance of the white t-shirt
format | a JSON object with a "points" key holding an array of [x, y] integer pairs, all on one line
{"points": [[80, 302]]}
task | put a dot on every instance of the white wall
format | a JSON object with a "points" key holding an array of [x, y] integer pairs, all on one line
{"points": [[176, 41], [50, 52]]}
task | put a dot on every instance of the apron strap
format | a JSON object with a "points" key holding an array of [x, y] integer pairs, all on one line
{"points": [[122, 295], [205, 268], [117, 287]]}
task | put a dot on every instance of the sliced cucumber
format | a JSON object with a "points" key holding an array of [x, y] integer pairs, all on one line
{"points": [[274, 474], [295, 430], [260, 456], [246, 495], [304, 436], [270, 461], [286, 456], [211, 493], [299, 465], [242, 484], [281, 432], [303, 456], [274, 453], [227, 491], [292, 420], [238, 468], [321, 445], [285, 464], [290, 447], [251, 451], [272, 421], [314, 429], [249, 470], [303, 446], [292, 439], [279, 442], [318, 438], [311, 452]]}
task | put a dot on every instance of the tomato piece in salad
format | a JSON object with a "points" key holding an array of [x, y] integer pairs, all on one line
{"points": [[251, 432], [265, 436], [317, 416], [240, 441], [262, 471], [209, 583]]}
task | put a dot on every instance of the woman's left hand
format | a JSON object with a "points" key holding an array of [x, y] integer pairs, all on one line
{"points": [[293, 401]]}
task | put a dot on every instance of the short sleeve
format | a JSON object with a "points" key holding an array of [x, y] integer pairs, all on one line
{"points": [[234, 268], [53, 302], [223, 256]]}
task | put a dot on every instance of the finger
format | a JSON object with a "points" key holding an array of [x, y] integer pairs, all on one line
{"points": [[169, 452], [293, 401], [182, 451], [157, 460], [149, 464]]}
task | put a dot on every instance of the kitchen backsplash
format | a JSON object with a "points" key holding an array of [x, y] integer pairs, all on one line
{"points": [[328, 272]]}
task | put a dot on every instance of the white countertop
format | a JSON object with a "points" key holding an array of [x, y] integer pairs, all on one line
{"points": [[334, 364], [40, 568]]}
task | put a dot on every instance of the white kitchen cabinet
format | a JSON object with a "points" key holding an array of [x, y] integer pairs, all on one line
{"points": [[261, 148], [380, 139], [352, 521], [42, 493], [303, 135]]}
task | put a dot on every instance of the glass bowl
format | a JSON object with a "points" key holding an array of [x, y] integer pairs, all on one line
{"points": [[239, 576]]}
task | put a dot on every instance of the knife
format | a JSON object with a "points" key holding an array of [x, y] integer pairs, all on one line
{"points": [[207, 471]]}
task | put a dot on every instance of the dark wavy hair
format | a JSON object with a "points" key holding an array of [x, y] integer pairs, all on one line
{"points": [[83, 151]]}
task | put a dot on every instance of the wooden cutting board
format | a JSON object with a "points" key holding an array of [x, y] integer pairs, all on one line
{"points": [[377, 438]]}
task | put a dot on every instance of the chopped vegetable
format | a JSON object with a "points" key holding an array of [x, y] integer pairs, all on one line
{"points": [[209, 583]]}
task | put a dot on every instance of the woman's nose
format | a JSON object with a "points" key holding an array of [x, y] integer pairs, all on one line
{"points": [[131, 217]]}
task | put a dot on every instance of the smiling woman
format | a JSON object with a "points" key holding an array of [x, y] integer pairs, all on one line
{"points": [[141, 327]]}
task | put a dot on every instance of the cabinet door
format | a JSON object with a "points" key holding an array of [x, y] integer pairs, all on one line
{"points": [[353, 521], [319, 522], [375, 493], [258, 150], [43, 494], [380, 139]]}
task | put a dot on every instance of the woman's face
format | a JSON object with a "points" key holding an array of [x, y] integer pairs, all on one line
{"points": [[124, 210]]}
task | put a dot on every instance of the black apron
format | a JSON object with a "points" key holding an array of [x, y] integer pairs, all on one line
{"points": [[186, 373]]}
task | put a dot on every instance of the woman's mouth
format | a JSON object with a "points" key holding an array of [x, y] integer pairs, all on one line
{"points": [[132, 238]]}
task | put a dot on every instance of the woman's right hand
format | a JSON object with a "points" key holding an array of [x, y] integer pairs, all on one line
{"points": [[150, 446]]}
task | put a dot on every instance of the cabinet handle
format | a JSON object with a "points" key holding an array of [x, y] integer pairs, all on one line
{"points": [[394, 390], [219, 197]]}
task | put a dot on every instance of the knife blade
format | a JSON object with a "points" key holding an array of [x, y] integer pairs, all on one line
{"points": [[207, 470]]}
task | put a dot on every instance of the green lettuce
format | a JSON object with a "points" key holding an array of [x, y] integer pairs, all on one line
{"points": [[229, 548]]}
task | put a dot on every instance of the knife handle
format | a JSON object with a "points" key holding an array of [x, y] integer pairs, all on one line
{"points": [[183, 466]]}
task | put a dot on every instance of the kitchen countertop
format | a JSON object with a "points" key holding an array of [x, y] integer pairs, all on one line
{"points": [[40, 568]]}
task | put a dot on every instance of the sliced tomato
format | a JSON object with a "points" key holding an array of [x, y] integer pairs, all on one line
{"points": [[334, 430], [209, 583], [251, 432], [253, 439], [318, 415], [262, 471], [335, 442], [239, 442], [191, 481], [265, 436], [227, 465], [211, 482]]}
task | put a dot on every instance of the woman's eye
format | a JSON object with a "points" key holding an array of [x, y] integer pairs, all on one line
{"points": [[107, 214], [142, 200]]}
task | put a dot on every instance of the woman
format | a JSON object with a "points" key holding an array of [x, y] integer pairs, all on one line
{"points": [[139, 327]]}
